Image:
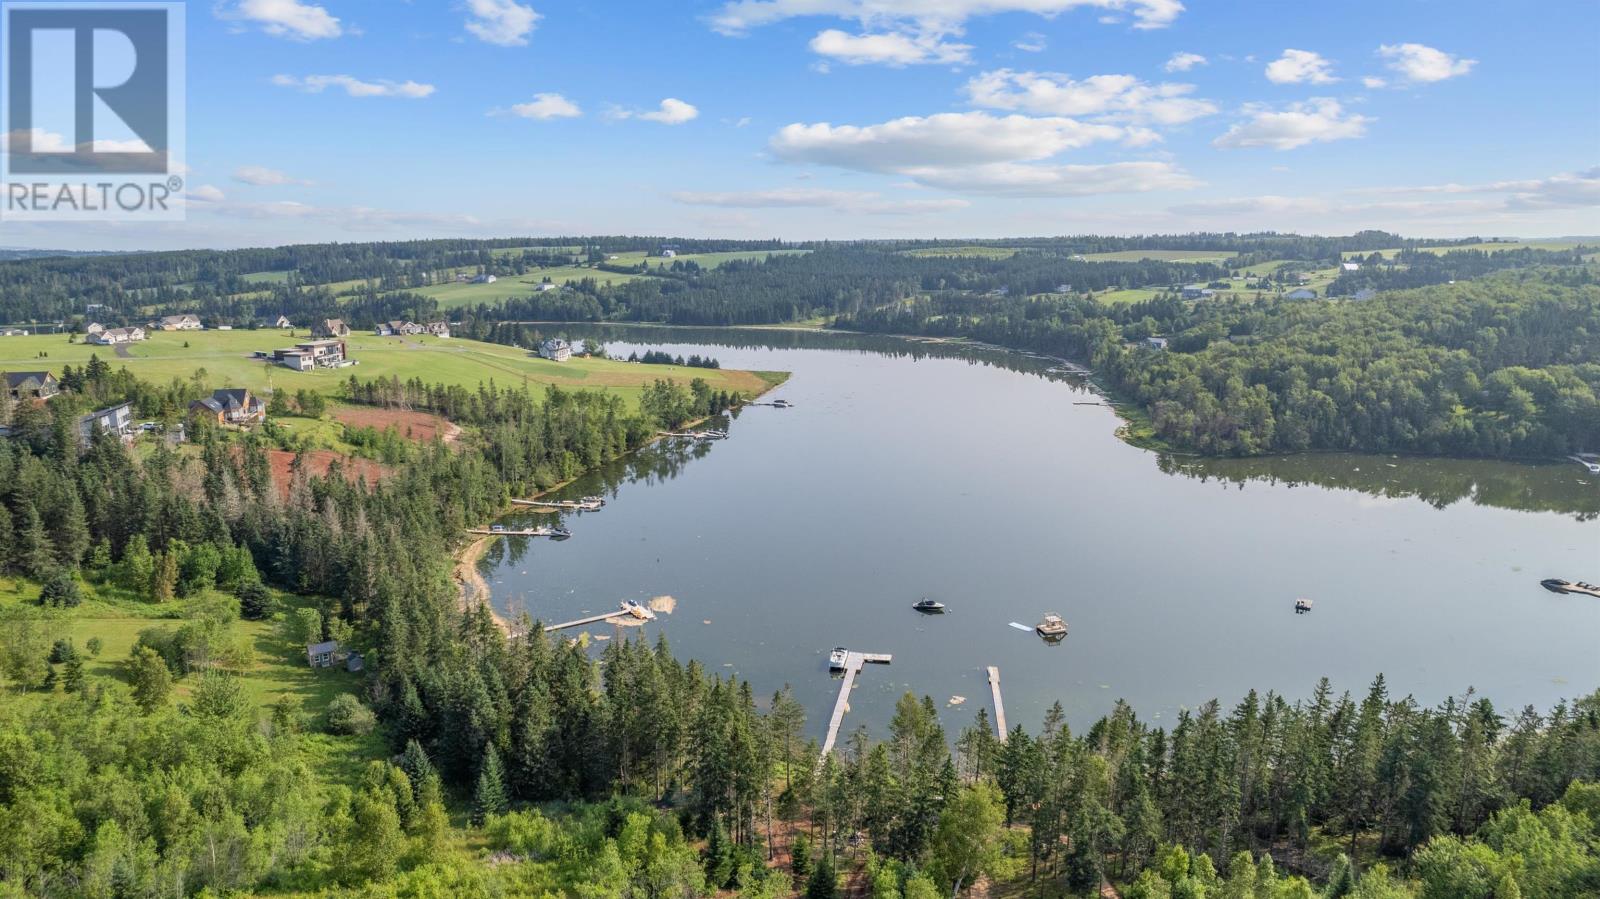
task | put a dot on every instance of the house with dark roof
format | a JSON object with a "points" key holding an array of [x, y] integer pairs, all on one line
{"points": [[114, 420], [231, 406], [437, 329], [555, 349], [280, 322], [398, 329], [32, 385], [329, 328]]}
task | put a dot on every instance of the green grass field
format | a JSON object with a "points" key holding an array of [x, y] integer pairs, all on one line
{"points": [[276, 277], [704, 260], [1492, 247], [225, 357], [1159, 255], [1123, 297], [963, 252], [457, 294]]}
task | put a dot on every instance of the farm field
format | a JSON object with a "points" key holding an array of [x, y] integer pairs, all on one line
{"points": [[704, 260], [458, 294], [1160, 255], [964, 252], [275, 277], [1123, 297], [225, 357], [1490, 247]]}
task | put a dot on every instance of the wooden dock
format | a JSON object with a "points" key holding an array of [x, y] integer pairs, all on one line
{"points": [[592, 619], [999, 705], [566, 504], [852, 666]]}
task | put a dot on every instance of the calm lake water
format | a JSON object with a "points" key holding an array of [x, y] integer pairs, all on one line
{"points": [[974, 477]]}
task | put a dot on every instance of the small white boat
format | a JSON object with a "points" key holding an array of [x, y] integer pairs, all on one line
{"points": [[838, 657], [637, 610], [1302, 605]]}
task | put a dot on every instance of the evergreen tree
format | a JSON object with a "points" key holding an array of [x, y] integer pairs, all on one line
{"points": [[489, 796]]}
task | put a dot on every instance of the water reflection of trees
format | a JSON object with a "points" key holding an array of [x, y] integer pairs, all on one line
{"points": [[1563, 489]]}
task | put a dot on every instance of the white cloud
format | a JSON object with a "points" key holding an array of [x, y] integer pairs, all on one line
{"points": [[1300, 67], [946, 139], [907, 32], [672, 111], [1374, 82], [1318, 120], [1567, 190], [1032, 42], [355, 87], [261, 176], [1421, 63], [501, 22], [1443, 206], [205, 193], [1017, 180], [939, 16], [865, 202], [978, 152], [543, 107], [1118, 97], [1183, 62], [283, 18], [894, 49]]}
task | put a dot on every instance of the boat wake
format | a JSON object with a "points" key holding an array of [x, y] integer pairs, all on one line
{"points": [[1022, 627]]}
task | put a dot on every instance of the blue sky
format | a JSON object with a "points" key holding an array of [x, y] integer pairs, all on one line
{"points": [[378, 119]]}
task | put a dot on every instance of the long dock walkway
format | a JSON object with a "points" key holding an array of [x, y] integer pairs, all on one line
{"points": [[852, 666], [592, 619], [999, 705]]}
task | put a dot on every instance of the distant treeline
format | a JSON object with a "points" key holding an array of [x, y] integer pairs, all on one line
{"points": [[214, 282]]}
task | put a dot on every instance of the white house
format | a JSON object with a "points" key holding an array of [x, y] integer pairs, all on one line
{"points": [[1155, 343], [668, 254], [185, 322], [1350, 266], [485, 279], [114, 336], [555, 349]]}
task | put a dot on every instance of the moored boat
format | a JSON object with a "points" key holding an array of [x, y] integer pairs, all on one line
{"points": [[1302, 605], [932, 607], [637, 610], [837, 658], [1051, 627]]}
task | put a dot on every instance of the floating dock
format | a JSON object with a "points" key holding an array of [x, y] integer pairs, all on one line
{"points": [[575, 505], [852, 666], [519, 532], [999, 705]]}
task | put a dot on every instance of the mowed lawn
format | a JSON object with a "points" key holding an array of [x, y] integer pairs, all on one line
{"points": [[704, 260], [225, 357]]}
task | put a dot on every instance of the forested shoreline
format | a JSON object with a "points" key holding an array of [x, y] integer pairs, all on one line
{"points": [[1507, 366]]}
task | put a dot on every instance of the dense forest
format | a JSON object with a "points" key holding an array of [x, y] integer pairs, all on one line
{"points": [[1507, 365], [504, 762]]}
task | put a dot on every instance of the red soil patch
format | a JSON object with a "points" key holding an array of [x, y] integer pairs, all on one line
{"points": [[419, 426], [317, 462]]}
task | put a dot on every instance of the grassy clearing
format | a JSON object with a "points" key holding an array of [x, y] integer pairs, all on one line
{"points": [[1487, 247], [225, 358], [277, 667], [1159, 255], [964, 252], [704, 260], [275, 277], [1123, 297], [458, 294]]}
